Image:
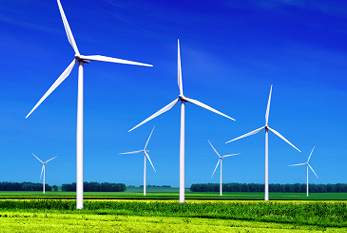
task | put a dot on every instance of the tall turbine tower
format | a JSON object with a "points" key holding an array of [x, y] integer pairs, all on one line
{"points": [[267, 128], [220, 161], [307, 166], [44, 171], [183, 100], [146, 156], [80, 59]]}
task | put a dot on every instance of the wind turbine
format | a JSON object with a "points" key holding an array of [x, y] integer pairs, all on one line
{"points": [[307, 166], [80, 59], [44, 170], [267, 128], [146, 156], [220, 161], [183, 100]]}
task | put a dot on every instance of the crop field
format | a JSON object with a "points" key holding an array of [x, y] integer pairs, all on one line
{"points": [[160, 211], [59, 215]]}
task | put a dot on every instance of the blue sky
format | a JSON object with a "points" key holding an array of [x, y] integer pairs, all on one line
{"points": [[232, 51]]}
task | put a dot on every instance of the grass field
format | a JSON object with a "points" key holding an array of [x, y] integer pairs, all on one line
{"points": [[36, 215], [127, 212], [172, 194]]}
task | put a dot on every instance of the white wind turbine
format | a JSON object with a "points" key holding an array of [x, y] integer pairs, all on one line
{"points": [[146, 156], [267, 128], [307, 166], [80, 59], [183, 100], [44, 170], [220, 161]]}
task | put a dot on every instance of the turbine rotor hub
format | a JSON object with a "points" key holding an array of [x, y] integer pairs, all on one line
{"points": [[79, 59]]}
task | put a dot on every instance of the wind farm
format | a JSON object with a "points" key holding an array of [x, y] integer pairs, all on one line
{"points": [[236, 56]]}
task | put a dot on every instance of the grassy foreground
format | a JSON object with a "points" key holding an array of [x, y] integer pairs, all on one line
{"points": [[30, 215]]}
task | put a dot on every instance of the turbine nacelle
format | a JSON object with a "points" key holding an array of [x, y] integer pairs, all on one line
{"points": [[181, 98], [80, 58]]}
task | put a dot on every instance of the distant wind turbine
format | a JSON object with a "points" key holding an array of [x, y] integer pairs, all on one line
{"points": [[44, 170], [146, 156], [220, 161], [307, 166], [267, 128], [80, 59], [183, 100]]}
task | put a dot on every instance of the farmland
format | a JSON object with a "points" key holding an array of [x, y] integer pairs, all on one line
{"points": [[166, 215], [120, 212], [172, 194]]}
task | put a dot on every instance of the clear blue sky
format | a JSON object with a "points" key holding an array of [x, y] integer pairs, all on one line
{"points": [[232, 51]]}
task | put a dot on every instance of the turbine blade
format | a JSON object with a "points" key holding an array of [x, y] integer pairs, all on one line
{"points": [[149, 159], [311, 154], [229, 155], [215, 168], [298, 164], [51, 159], [132, 152], [268, 108], [283, 138], [113, 60], [61, 78], [37, 158], [67, 29], [161, 111], [312, 170], [247, 134], [149, 138], [198, 103], [214, 149], [43, 167], [179, 67]]}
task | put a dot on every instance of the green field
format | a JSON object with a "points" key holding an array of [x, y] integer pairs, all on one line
{"points": [[172, 194], [127, 212]]}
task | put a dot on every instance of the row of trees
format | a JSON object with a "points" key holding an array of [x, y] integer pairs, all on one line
{"points": [[24, 186], [277, 188], [95, 187]]}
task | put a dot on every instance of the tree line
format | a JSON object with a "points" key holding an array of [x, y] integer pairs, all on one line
{"points": [[24, 186], [277, 188], [95, 187]]}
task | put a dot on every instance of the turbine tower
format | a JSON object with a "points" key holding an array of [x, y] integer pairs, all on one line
{"points": [[266, 128], [80, 59], [220, 161], [183, 100], [307, 166], [146, 156], [44, 171]]}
